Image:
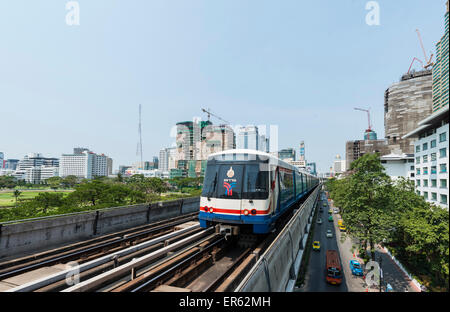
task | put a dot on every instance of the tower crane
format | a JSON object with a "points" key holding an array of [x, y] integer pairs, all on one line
{"points": [[368, 117], [207, 111], [427, 61]]}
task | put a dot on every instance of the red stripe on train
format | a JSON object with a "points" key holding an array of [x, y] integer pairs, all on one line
{"points": [[234, 211]]}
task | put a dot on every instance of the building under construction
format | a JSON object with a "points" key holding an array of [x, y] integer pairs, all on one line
{"points": [[405, 104]]}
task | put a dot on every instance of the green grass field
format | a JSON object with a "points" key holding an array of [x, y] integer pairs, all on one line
{"points": [[8, 199]]}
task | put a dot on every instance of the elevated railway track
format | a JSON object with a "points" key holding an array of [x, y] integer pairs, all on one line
{"points": [[163, 256]]}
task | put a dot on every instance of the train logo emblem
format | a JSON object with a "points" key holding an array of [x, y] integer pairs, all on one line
{"points": [[228, 184], [229, 188]]}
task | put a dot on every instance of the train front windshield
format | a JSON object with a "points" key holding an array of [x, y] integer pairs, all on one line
{"points": [[230, 180]]}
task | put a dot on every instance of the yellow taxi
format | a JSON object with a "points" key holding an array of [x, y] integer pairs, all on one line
{"points": [[316, 245], [342, 228]]}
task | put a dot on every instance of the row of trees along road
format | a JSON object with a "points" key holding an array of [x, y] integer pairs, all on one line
{"points": [[377, 210], [97, 193]]}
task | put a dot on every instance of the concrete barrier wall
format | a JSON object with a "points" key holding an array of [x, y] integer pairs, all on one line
{"points": [[276, 267], [35, 235]]}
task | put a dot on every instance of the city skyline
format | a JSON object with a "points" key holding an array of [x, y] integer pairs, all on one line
{"points": [[81, 85]]}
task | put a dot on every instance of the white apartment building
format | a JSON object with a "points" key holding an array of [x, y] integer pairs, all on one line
{"points": [[37, 175], [339, 165], [431, 157], [399, 165], [85, 165]]}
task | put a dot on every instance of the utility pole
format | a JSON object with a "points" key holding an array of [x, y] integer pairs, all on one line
{"points": [[140, 138]]}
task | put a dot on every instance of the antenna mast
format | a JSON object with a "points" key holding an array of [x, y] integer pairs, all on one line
{"points": [[140, 138]]}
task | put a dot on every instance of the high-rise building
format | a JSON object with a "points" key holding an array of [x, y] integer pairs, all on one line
{"points": [[287, 154], [247, 138], [85, 165], [301, 155], [109, 166], [406, 103], [431, 157], [11, 164], [357, 148], [440, 70], [2, 160], [195, 141], [32, 165], [339, 165]]}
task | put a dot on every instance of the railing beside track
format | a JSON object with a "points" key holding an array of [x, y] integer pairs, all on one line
{"points": [[40, 233], [277, 268]]}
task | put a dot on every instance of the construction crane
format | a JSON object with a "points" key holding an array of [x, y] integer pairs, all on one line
{"points": [[207, 111], [368, 117], [427, 61]]}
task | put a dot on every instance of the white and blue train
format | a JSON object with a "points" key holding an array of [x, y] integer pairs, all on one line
{"points": [[247, 190]]}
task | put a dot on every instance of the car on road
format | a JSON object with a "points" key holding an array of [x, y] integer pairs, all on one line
{"points": [[330, 211], [329, 233], [330, 218], [356, 268], [342, 228], [335, 210], [319, 221], [316, 245]]}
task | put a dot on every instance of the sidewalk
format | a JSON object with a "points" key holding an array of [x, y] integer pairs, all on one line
{"points": [[392, 274]]}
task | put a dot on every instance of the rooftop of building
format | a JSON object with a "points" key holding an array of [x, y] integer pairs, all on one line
{"points": [[416, 74], [393, 156]]}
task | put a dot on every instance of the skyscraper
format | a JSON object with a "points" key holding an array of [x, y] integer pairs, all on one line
{"points": [[85, 165], [287, 154], [301, 156], [247, 138], [406, 103], [440, 70]]}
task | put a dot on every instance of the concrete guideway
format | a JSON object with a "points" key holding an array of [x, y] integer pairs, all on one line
{"points": [[61, 275], [277, 268]]}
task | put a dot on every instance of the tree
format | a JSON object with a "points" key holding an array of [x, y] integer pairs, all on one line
{"points": [[17, 194], [69, 181], [54, 182], [366, 201], [46, 200], [89, 192], [118, 194], [7, 182], [156, 185]]}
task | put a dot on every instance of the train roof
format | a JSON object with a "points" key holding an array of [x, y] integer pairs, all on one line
{"points": [[259, 153]]}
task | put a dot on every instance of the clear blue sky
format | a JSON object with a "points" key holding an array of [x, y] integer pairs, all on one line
{"points": [[301, 65]]}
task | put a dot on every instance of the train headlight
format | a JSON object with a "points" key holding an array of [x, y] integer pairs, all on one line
{"points": [[253, 212], [210, 209], [245, 212], [205, 208]]}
